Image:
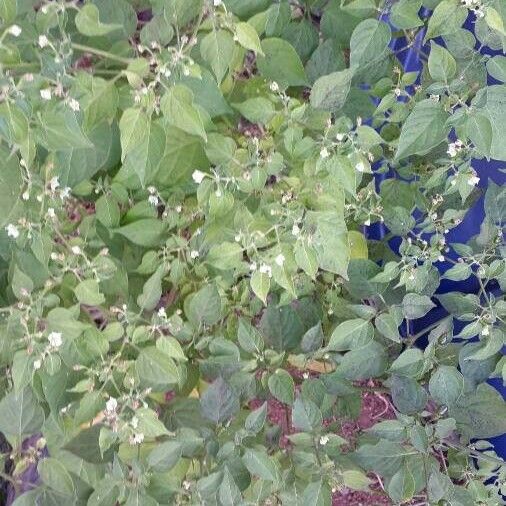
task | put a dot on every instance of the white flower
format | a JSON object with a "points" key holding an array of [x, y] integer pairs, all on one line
{"points": [[37, 365], [434, 97], [161, 313], [51, 213], [253, 266], [324, 440], [485, 331], [218, 193], [441, 258], [54, 256], [266, 269], [367, 222], [54, 183], [324, 153], [65, 193], [237, 238], [134, 422], [305, 375], [46, 93], [43, 41], [153, 200], [111, 405], [397, 92], [152, 190], [179, 209], [295, 230], [360, 166], [74, 104], [217, 2], [274, 86], [473, 180], [339, 137], [76, 250], [137, 438], [26, 195], [55, 339], [15, 30], [280, 260], [12, 231], [198, 176], [194, 253]]}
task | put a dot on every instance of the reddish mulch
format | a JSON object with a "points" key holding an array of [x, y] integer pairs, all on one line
{"points": [[375, 407]]}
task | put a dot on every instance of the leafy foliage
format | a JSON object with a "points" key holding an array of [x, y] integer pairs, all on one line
{"points": [[185, 187]]}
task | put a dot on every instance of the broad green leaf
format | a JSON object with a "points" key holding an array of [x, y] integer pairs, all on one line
{"points": [[165, 456], [423, 130], [152, 290], [281, 63], [219, 402], [369, 43], [442, 65], [88, 292], [217, 49], [351, 334], [317, 493], [446, 19], [88, 23], [282, 387], [156, 370], [61, 130], [260, 464], [20, 415], [260, 284], [402, 485], [248, 37], [133, 125], [179, 111], [306, 416], [53, 474], [330, 92], [415, 306], [446, 385], [204, 307], [147, 232]]}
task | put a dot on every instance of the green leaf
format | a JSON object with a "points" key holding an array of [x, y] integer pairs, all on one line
{"points": [[165, 456], [306, 416], [133, 125], [88, 23], [204, 307], [260, 464], [88, 292], [281, 63], [442, 65], [256, 419], [148, 232], [404, 14], [369, 43], [281, 327], [385, 457], [496, 67], [330, 241], [312, 339], [149, 424], [179, 111], [248, 37], [156, 370], [351, 334], [152, 290], [330, 92], [423, 130], [415, 306], [217, 49], [256, 110], [260, 284], [388, 327], [229, 492], [53, 474], [281, 386], [446, 19], [170, 346], [407, 395], [60, 130], [401, 487], [446, 385], [20, 415], [10, 187], [317, 493], [219, 402], [368, 361], [305, 256]]}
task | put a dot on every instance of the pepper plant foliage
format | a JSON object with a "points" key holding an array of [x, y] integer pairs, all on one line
{"points": [[184, 190]]}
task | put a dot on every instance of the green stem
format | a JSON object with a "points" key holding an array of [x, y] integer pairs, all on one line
{"points": [[99, 52], [427, 329]]}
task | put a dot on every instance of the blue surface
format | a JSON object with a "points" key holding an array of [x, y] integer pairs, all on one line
{"points": [[469, 227]]}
